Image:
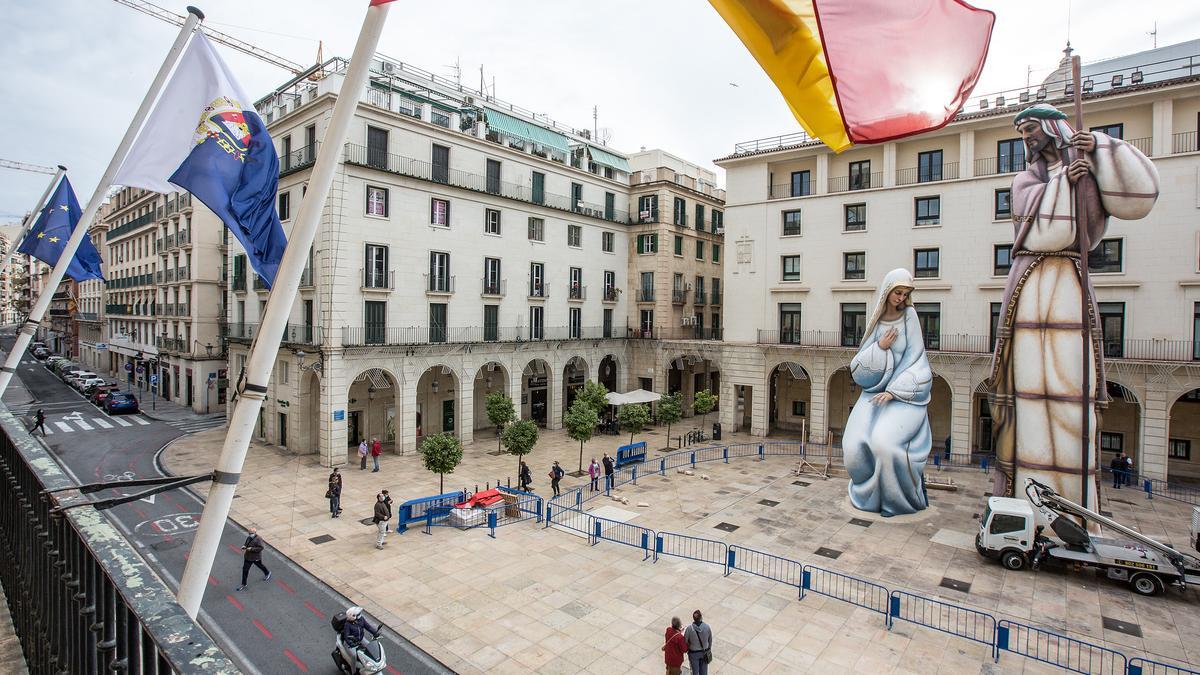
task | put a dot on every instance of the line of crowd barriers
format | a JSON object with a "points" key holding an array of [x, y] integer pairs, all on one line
{"points": [[566, 511]]}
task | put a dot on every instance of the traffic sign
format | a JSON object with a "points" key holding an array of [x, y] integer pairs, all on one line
{"points": [[153, 379], [141, 369], [128, 367]]}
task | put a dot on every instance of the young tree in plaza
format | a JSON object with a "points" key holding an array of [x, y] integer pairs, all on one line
{"points": [[633, 418], [670, 410], [703, 404], [440, 454], [595, 394], [519, 439], [581, 421], [500, 412]]}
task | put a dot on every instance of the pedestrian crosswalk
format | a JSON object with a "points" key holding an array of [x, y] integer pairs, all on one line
{"points": [[192, 426], [71, 424]]}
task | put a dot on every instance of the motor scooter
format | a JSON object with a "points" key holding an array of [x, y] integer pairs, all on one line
{"points": [[367, 658]]}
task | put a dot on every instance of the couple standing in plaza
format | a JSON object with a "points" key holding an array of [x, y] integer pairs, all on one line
{"points": [[695, 642], [375, 449]]}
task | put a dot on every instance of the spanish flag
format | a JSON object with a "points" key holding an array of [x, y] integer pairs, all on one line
{"points": [[865, 71]]}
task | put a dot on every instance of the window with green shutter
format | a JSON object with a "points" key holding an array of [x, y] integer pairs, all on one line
{"points": [[699, 216], [699, 250], [678, 245], [716, 253]]}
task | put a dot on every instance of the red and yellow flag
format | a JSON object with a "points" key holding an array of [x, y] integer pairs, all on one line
{"points": [[865, 71]]}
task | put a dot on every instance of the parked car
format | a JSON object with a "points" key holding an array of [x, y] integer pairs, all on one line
{"points": [[65, 372], [41, 353], [120, 402], [52, 361], [37, 345], [100, 393], [86, 386], [72, 376], [78, 380]]}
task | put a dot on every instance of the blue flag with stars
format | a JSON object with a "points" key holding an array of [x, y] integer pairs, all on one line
{"points": [[53, 228]]}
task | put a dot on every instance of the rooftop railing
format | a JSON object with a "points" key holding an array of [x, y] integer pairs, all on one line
{"points": [[353, 336]]}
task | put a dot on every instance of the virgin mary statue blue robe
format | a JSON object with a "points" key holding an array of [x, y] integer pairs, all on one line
{"points": [[886, 446]]}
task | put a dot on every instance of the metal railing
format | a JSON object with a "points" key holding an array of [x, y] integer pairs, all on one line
{"points": [[864, 181], [700, 298], [293, 333], [577, 292], [494, 287], [678, 296], [611, 294], [648, 216], [1184, 142], [355, 336], [306, 278], [140, 221], [929, 174], [372, 280], [1057, 650], [716, 298], [298, 159], [773, 143], [787, 190], [81, 597], [991, 166], [439, 283], [1145, 145]]}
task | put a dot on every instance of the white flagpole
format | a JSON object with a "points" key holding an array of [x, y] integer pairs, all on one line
{"points": [[279, 306], [85, 221], [31, 219]]}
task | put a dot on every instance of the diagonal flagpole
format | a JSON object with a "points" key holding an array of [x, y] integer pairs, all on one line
{"points": [[279, 305], [31, 218], [85, 221]]}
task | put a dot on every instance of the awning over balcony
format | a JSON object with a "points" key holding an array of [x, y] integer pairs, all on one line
{"points": [[608, 159], [511, 126]]}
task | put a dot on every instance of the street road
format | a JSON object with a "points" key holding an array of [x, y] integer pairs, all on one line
{"points": [[275, 626]]}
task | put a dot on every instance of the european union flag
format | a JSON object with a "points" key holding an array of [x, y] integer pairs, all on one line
{"points": [[53, 228]]}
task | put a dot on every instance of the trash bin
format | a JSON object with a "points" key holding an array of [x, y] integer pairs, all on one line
{"points": [[716, 431]]}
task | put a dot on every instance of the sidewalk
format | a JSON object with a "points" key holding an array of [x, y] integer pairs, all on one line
{"points": [[169, 411]]}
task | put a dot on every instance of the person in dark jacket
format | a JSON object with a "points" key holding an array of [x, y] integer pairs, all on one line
{"points": [[524, 477], [334, 493], [383, 513], [1117, 466], [556, 474], [356, 627], [39, 422], [252, 556], [609, 467]]}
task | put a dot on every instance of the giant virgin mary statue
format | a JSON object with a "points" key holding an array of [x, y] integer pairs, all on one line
{"points": [[887, 437]]}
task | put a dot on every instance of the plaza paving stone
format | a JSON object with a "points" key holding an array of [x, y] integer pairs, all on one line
{"points": [[541, 600]]}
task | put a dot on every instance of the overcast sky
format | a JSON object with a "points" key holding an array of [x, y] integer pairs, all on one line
{"points": [[662, 72]]}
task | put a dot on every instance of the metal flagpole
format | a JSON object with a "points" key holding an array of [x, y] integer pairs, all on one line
{"points": [[279, 305], [1085, 299], [85, 221], [32, 218]]}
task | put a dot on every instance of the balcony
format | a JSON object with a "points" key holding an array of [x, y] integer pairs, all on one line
{"points": [[495, 288], [928, 174], [169, 242], [239, 283], [686, 333], [576, 292], [131, 226], [441, 284], [183, 273], [306, 278], [611, 294], [87, 316], [169, 276], [701, 298], [539, 290], [259, 284], [175, 345], [716, 298], [376, 280], [786, 190], [1184, 142], [678, 296], [160, 244], [421, 335], [359, 155], [645, 295], [863, 181], [648, 216], [992, 166], [298, 159]]}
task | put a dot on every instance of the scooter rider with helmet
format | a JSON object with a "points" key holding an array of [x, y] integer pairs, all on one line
{"points": [[356, 627]]}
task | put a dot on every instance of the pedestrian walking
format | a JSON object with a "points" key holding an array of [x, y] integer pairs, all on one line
{"points": [[376, 451], [609, 467], [383, 513], [252, 556], [39, 422], [334, 493], [594, 474], [1128, 470], [525, 477], [362, 455], [1117, 466], [675, 646], [699, 644], [556, 474], [387, 499]]}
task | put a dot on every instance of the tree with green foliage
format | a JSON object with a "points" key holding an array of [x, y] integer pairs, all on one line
{"points": [[500, 412], [703, 403], [633, 418], [595, 394], [441, 453], [581, 421], [519, 439], [670, 410]]}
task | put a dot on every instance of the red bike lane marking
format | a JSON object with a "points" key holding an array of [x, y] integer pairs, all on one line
{"points": [[299, 664], [234, 602], [258, 625], [285, 586], [314, 610], [393, 670]]}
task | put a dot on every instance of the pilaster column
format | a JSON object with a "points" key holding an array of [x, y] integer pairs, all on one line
{"points": [[960, 410], [822, 177], [335, 393], [727, 413], [966, 154], [407, 416], [555, 398], [818, 397], [758, 410], [1152, 444], [1161, 127], [466, 407], [889, 165]]}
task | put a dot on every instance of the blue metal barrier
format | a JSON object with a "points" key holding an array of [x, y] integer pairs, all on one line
{"points": [[571, 519], [1057, 650], [766, 565], [414, 510], [1140, 666], [853, 590], [692, 548], [1180, 493], [966, 623], [604, 529]]}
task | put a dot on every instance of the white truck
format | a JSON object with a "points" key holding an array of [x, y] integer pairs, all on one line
{"points": [[1009, 531]]}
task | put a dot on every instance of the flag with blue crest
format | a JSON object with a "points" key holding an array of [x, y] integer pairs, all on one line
{"points": [[49, 235]]}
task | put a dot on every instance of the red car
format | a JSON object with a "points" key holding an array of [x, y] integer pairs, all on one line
{"points": [[100, 393]]}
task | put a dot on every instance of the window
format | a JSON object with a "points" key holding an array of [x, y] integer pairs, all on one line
{"points": [[610, 285], [439, 272], [789, 323], [1112, 327], [791, 223], [678, 245], [491, 221], [1178, 448], [647, 243], [926, 263], [860, 175], [538, 195], [994, 324], [680, 217], [1002, 523], [854, 323], [854, 266], [440, 157], [716, 249], [374, 322], [1111, 130], [491, 276], [439, 212], [1001, 259], [930, 316], [1112, 441], [577, 197], [285, 205], [801, 184], [791, 267], [718, 222], [647, 208], [607, 240], [699, 216], [376, 267], [493, 176], [608, 323], [575, 319], [576, 289], [536, 322], [856, 218], [574, 236], [1107, 257], [646, 321], [647, 290], [537, 229], [377, 147], [610, 206], [716, 326], [1010, 155], [929, 210], [1195, 331], [437, 322], [929, 166], [537, 280], [491, 323], [377, 201], [699, 250], [1003, 204], [716, 290]]}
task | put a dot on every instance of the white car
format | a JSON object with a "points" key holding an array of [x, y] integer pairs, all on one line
{"points": [[84, 385], [78, 376]]}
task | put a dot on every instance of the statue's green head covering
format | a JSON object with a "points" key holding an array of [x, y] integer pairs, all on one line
{"points": [[1039, 111]]}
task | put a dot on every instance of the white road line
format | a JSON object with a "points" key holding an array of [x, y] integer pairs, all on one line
{"points": [[100, 422], [84, 425], [64, 426], [140, 420], [121, 421]]}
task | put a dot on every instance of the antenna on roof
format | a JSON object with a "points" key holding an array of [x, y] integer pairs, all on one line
{"points": [[1154, 34], [457, 68]]}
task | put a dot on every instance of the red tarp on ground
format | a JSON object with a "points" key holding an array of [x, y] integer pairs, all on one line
{"points": [[484, 498]]}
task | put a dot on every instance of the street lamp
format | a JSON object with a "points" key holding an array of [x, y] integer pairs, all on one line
{"points": [[315, 367]]}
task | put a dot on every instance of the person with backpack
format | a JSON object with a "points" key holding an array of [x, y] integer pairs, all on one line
{"points": [[556, 474], [39, 422], [524, 477], [699, 644]]}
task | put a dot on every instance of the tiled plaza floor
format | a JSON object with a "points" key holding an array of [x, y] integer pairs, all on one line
{"points": [[539, 600]]}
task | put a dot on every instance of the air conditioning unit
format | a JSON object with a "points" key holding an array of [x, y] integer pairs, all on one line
{"points": [[720, 230], [388, 67], [469, 100]]}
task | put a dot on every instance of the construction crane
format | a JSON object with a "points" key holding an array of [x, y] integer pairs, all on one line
{"points": [[215, 35], [25, 166]]}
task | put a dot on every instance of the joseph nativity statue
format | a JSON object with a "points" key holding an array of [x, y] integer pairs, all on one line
{"points": [[887, 437], [1037, 375]]}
